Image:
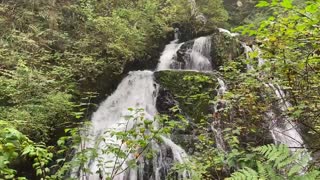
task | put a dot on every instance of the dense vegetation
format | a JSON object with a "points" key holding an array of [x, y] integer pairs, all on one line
{"points": [[53, 54]]}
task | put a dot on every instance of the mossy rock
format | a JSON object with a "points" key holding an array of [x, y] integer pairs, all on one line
{"points": [[192, 90], [224, 48]]}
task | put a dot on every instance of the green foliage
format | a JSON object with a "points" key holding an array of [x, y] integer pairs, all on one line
{"points": [[15, 145], [51, 52], [291, 60], [277, 162], [35, 103], [289, 45], [200, 15], [194, 91]]}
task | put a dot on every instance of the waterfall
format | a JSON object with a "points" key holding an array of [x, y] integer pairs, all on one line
{"points": [[216, 123], [169, 55], [282, 128], [179, 155], [284, 131], [200, 55], [247, 51], [137, 90], [228, 32], [196, 58]]}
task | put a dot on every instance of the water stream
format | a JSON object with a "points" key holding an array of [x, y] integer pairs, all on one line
{"points": [[196, 57], [282, 128], [216, 124], [138, 90]]}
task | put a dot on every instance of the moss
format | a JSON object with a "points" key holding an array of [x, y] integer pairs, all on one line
{"points": [[224, 48], [192, 90]]}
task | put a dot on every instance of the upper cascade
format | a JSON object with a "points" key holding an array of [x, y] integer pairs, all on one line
{"points": [[197, 57], [169, 55]]}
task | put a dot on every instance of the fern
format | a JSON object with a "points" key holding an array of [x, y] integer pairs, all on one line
{"points": [[245, 173], [277, 162], [278, 155], [261, 170]]}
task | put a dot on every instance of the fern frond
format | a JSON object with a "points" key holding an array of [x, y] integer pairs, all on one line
{"points": [[312, 175], [244, 174], [262, 171]]}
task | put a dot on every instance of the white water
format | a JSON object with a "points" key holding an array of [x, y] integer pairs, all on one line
{"points": [[285, 131], [200, 54], [228, 32], [282, 128], [168, 55], [137, 90], [216, 124], [196, 58], [247, 51], [179, 155]]}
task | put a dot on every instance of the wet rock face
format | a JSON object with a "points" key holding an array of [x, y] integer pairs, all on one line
{"points": [[165, 101], [183, 52]]}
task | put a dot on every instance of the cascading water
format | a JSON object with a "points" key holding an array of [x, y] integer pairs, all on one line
{"points": [[228, 32], [169, 55], [282, 129], [216, 124], [196, 58], [138, 90], [247, 51], [200, 55]]}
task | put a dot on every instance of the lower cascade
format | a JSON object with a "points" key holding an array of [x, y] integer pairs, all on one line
{"points": [[139, 91]]}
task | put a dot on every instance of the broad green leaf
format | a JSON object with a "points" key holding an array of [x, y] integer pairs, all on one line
{"points": [[262, 4], [287, 4]]}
